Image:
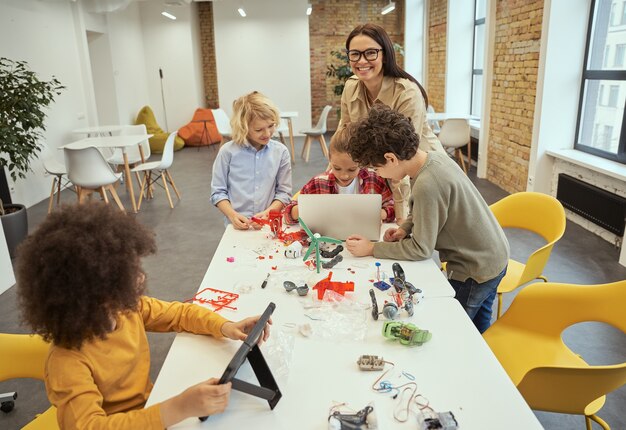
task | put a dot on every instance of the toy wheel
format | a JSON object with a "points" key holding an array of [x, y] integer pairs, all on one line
{"points": [[390, 310], [7, 406], [409, 308]]}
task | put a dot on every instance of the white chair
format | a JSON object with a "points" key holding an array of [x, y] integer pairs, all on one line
{"points": [[454, 134], [223, 124], [317, 133], [132, 152], [160, 170], [89, 171], [281, 129], [434, 125], [57, 170]]}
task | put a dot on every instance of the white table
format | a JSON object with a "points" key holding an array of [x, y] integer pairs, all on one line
{"points": [[288, 116], [442, 116], [122, 142], [100, 130], [456, 370]]}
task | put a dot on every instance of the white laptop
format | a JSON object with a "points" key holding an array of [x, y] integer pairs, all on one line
{"points": [[341, 215]]}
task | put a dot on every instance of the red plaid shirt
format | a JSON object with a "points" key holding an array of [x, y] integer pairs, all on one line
{"points": [[325, 183]]}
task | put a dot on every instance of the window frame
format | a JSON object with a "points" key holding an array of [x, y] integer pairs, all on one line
{"points": [[598, 75], [475, 72]]}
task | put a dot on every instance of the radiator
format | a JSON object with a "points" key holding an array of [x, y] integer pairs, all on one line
{"points": [[595, 204]]}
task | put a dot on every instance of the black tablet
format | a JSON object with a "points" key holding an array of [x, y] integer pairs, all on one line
{"points": [[243, 351]]}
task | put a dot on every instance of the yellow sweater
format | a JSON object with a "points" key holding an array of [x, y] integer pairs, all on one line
{"points": [[106, 383]]}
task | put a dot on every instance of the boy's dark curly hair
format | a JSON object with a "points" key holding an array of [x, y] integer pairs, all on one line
{"points": [[383, 130], [79, 270]]}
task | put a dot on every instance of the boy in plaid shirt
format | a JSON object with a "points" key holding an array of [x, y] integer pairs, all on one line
{"points": [[345, 177]]}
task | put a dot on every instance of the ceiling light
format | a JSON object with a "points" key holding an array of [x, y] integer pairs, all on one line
{"points": [[388, 8], [168, 15], [242, 12], [309, 9]]}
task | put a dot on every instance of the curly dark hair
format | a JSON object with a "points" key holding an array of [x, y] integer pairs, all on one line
{"points": [[383, 130], [79, 269]]}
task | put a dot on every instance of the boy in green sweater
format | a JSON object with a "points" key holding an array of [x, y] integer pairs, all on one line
{"points": [[447, 213]]}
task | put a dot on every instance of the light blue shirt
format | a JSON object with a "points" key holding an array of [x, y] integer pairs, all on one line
{"points": [[251, 179]]}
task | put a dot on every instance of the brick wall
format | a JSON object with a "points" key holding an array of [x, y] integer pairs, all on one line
{"points": [[436, 84], [329, 26], [514, 87], [207, 43]]}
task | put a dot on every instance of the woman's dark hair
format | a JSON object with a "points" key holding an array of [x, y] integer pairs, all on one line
{"points": [[79, 270], [390, 67]]}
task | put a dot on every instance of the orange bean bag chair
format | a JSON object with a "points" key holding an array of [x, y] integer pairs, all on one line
{"points": [[201, 131], [157, 141]]}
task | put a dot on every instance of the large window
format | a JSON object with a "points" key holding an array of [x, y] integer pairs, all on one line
{"points": [[601, 129], [478, 57]]}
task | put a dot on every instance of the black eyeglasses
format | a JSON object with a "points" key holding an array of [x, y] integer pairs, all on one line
{"points": [[302, 289], [371, 54]]}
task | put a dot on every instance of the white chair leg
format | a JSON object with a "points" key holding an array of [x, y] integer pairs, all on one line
{"points": [[169, 175], [52, 194], [167, 190], [305, 147], [116, 197], [103, 193], [59, 179], [143, 189], [323, 145]]}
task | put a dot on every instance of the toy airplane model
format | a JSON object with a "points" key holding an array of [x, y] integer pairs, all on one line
{"points": [[316, 239]]}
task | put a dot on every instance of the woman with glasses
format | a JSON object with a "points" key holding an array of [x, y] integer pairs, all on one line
{"points": [[378, 79]]}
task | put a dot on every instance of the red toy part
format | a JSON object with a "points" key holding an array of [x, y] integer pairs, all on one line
{"points": [[223, 300], [327, 284], [275, 223]]}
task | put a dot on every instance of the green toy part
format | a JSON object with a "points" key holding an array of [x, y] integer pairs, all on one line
{"points": [[407, 333], [316, 239]]}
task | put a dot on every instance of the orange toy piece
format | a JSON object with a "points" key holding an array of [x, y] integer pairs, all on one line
{"points": [[337, 287]]}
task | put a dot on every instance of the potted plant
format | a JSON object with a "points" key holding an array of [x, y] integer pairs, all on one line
{"points": [[23, 97]]}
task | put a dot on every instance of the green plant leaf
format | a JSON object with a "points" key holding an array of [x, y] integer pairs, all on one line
{"points": [[23, 98]]}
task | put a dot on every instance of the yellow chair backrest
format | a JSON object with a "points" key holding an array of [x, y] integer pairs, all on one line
{"points": [[146, 116], [527, 341], [24, 356], [540, 213]]}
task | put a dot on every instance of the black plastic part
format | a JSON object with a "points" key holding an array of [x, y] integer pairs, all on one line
{"points": [[374, 305], [331, 263], [267, 388], [331, 254]]}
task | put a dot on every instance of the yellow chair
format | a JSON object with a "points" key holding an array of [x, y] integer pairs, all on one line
{"points": [[24, 356], [551, 377], [540, 213], [157, 141]]}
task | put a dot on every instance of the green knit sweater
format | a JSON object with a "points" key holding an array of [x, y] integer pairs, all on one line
{"points": [[449, 214]]}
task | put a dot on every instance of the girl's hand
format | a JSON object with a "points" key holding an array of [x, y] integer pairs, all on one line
{"points": [[394, 235], [239, 330], [203, 399], [359, 246], [239, 221], [383, 214]]}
